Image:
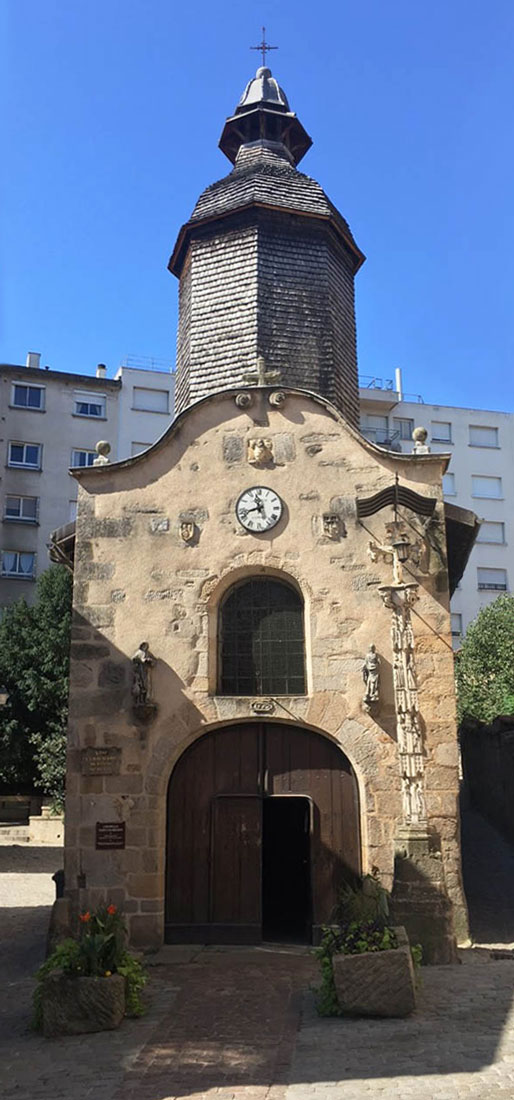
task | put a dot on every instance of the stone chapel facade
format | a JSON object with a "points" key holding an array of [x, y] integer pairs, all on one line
{"points": [[262, 694]]}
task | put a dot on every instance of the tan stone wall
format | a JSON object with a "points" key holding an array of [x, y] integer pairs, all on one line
{"points": [[136, 579]]}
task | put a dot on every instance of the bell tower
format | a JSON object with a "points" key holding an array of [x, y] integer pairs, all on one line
{"points": [[266, 266]]}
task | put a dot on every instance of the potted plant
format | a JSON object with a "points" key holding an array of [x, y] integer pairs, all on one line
{"points": [[366, 963], [89, 983]]}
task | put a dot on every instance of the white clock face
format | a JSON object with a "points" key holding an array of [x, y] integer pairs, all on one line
{"points": [[258, 509]]}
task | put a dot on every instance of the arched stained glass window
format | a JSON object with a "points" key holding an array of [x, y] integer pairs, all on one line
{"points": [[262, 640]]}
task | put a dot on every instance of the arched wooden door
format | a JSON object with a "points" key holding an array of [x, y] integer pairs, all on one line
{"points": [[224, 850]]}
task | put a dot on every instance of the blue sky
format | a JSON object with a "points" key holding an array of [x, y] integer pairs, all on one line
{"points": [[114, 111]]}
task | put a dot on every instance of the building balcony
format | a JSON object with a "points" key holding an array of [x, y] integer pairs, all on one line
{"points": [[383, 438]]}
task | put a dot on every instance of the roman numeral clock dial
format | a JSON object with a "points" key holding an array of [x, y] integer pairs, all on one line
{"points": [[258, 509]]}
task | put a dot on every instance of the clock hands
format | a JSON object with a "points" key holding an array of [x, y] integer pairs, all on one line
{"points": [[259, 507]]}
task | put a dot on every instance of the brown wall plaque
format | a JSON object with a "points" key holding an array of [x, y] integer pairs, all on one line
{"points": [[110, 834], [101, 761]]}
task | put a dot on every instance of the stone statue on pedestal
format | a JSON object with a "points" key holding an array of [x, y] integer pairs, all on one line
{"points": [[142, 662], [371, 676]]}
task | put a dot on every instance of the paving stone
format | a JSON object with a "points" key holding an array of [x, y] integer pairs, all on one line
{"points": [[240, 1024]]}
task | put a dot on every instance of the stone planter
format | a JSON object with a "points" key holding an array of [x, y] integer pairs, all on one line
{"points": [[378, 983], [72, 1006]]}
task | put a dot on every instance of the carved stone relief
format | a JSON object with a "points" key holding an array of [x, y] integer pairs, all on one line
{"points": [[187, 530], [277, 399], [243, 400], [331, 525], [263, 706], [408, 725], [260, 452]]}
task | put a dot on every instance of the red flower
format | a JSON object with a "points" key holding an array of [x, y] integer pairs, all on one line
{"points": [[84, 917], [111, 909]]}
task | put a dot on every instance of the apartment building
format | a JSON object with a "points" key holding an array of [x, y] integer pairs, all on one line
{"points": [[49, 421], [145, 403], [481, 443]]}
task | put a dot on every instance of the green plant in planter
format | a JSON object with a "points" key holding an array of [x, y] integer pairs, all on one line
{"points": [[99, 952], [362, 925]]}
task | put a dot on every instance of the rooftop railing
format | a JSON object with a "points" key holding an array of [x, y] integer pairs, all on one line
{"points": [[372, 382], [148, 362]]}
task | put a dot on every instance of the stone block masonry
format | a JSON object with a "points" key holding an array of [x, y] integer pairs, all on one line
{"points": [[172, 595]]}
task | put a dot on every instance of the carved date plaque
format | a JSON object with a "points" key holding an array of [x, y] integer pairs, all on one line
{"points": [[101, 761], [110, 835], [263, 706]]}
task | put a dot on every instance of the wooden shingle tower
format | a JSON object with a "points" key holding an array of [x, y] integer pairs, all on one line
{"points": [[266, 266]]}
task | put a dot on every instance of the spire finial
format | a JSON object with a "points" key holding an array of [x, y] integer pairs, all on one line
{"points": [[264, 47]]}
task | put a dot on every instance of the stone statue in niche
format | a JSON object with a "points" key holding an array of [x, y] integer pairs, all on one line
{"points": [[142, 663], [331, 525], [260, 452], [414, 809], [187, 530], [371, 676]]}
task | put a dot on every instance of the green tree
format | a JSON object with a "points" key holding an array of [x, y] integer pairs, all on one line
{"points": [[34, 667], [485, 664]]}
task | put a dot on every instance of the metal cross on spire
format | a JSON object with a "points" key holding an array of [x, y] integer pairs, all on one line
{"points": [[264, 47]]}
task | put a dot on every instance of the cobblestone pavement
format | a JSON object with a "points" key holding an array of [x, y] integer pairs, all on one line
{"points": [[238, 1024]]}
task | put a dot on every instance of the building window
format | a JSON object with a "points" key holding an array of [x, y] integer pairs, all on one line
{"points": [[89, 404], [494, 580], [83, 458], [23, 509], [482, 437], [150, 400], [449, 489], [72, 510], [491, 532], [375, 428], [441, 431], [488, 487], [456, 627], [24, 455], [404, 425], [18, 563], [138, 448], [261, 640], [27, 397]]}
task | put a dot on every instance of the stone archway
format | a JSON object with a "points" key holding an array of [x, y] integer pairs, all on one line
{"points": [[249, 806]]}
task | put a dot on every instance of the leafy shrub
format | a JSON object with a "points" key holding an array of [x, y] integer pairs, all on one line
{"points": [[34, 666], [364, 899], [485, 664]]}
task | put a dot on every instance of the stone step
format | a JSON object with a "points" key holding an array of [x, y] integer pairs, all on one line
{"points": [[14, 834]]}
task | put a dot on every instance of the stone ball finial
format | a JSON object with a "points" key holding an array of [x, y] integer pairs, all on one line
{"points": [[103, 449], [420, 435]]}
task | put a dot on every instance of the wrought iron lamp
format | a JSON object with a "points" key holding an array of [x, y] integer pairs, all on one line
{"points": [[400, 547]]}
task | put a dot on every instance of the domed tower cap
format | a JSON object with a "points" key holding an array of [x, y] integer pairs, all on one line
{"points": [[263, 114], [263, 88]]}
